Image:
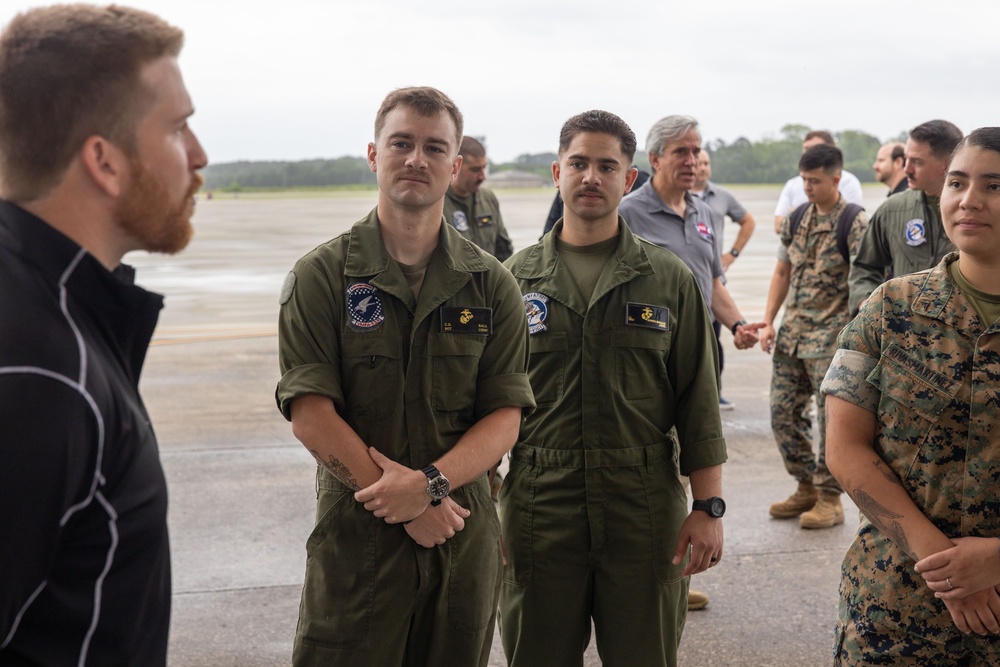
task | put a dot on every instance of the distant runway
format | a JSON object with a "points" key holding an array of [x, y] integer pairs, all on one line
{"points": [[242, 489]]}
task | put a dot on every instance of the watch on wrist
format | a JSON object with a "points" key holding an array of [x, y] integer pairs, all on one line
{"points": [[438, 486], [738, 324], [735, 252], [715, 507]]}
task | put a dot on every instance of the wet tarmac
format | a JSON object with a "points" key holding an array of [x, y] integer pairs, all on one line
{"points": [[241, 487]]}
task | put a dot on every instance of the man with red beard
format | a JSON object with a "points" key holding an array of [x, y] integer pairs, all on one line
{"points": [[97, 160]]}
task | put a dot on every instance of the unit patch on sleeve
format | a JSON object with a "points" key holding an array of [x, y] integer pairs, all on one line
{"points": [[467, 319], [364, 307], [645, 315], [536, 309], [287, 288]]}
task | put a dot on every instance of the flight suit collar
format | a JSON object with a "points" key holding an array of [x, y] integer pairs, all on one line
{"points": [[937, 291], [543, 261], [449, 270]]}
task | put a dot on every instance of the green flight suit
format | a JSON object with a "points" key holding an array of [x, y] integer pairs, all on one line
{"points": [[592, 506], [904, 235], [350, 329], [477, 218]]}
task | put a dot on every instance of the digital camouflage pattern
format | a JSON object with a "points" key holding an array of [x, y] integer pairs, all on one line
{"points": [[815, 311], [920, 358], [887, 242]]}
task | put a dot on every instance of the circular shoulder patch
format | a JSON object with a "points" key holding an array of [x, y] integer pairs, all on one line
{"points": [[364, 307], [287, 288], [915, 232], [536, 308], [460, 221]]}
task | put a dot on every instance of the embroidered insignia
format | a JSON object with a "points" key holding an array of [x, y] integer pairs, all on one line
{"points": [[915, 233], [364, 307], [484, 220], [648, 316], [460, 221], [536, 309], [287, 288], [704, 231], [469, 320]]}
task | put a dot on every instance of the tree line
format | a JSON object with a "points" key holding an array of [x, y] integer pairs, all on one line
{"points": [[767, 160]]}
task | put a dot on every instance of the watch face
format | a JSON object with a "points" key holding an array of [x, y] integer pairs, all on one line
{"points": [[438, 487], [717, 507]]}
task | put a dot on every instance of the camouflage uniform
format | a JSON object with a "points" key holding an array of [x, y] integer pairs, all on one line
{"points": [[921, 359], [905, 235], [815, 311]]}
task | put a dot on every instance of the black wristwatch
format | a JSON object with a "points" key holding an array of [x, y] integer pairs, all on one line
{"points": [[734, 252], [438, 486], [738, 324], [714, 506]]}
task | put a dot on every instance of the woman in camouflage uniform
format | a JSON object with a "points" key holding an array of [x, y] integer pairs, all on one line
{"points": [[913, 435]]}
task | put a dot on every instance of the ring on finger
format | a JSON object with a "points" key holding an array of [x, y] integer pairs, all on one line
{"points": [[947, 580]]}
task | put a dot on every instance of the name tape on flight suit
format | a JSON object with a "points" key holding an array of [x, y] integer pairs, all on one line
{"points": [[468, 320], [648, 316]]}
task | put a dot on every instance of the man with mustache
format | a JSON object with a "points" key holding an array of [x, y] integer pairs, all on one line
{"points": [[595, 519], [473, 211], [402, 349], [97, 160]]}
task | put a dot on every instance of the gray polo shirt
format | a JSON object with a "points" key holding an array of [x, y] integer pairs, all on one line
{"points": [[691, 238], [723, 203]]}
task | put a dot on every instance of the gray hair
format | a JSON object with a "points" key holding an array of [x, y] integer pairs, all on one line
{"points": [[666, 130]]}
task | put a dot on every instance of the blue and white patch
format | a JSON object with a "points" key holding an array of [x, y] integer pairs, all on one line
{"points": [[460, 221], [536, 309], [364, 307], [704, 231], [915, 232]]}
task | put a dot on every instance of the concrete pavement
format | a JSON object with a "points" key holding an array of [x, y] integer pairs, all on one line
{"points": [[241, 487]]}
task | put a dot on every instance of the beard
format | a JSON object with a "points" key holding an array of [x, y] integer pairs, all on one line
{"points": [[147, 213]]}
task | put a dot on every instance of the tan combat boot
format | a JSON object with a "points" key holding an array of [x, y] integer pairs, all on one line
{"points": [[802, 500], [827, 513], [697, 600]]}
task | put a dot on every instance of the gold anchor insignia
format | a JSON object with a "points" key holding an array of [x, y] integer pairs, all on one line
{"points": [[647, 313], [466, 316]]}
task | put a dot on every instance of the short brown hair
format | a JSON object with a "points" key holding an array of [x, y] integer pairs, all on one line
{"points": [[69, 72], [426, 101], [471, 148], [599, 122], [820, 134]]}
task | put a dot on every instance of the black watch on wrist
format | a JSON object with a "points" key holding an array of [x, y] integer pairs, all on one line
{"points": [[438, 486], [714, 506], [738, 324], [734, 252]]}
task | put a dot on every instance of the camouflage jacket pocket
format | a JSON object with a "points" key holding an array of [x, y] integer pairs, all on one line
{"points": [[911, 383]]}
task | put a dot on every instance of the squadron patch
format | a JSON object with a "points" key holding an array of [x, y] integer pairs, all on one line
{"points": [[645, 315], [536, 309], [915, 232], [704, 231], [364, 307], [287, 288], [460, 221], [467, 319]]}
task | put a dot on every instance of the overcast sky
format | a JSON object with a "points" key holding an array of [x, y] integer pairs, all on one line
{"points": [[297, 79]]}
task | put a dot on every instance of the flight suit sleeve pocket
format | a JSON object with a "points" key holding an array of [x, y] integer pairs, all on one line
{"points": [[912, 384], [548, 367], [640, 362], [454, 362]]}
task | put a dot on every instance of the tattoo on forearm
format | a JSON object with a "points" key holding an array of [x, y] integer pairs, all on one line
{"points": [[887, 473], [884, 519], [335, 467]]}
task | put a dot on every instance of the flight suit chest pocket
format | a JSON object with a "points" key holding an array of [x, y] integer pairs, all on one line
{"points": [[370, 365], [547, 367], [640, 362], [914, 399], [454, 360]]}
